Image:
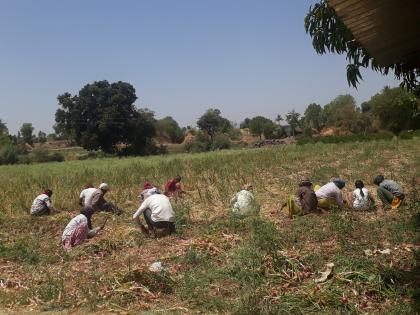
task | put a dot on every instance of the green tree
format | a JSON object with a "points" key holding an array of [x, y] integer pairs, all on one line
{"points": [[329, 34], [342, 113], [141, 130], [245, 123], [314, 116], [168, 127], [103, 115], [261, 126], [26, 131], [396, 109], [3, 128], [212, 122], [366, 107], [8, 154], [42, 137], [292, 119]]}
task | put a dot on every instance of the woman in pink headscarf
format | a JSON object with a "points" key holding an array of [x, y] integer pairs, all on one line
{"points": [[148, 190]]}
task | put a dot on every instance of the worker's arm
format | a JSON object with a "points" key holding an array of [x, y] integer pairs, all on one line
{"points": [[141, 209], [234, 199], [82, 198], [48, 203], [339, 199], [93, 232]]}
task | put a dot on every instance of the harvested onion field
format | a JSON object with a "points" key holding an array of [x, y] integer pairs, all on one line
{"points": [[216, 263]]}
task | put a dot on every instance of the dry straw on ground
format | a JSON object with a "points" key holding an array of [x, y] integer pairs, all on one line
{"points": [[216, 263]]}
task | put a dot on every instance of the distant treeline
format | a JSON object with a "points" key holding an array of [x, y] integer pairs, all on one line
{"points": [[102, 117]]}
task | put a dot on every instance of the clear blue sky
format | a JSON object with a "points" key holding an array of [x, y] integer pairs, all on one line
{"points": [[244, 57]]}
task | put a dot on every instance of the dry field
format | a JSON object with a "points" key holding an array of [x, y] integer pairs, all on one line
{"points": [[216, 263]]}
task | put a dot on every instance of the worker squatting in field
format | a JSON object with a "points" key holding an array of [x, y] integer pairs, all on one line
{"points": [[79, 229], [159, 215], [306, 200]]}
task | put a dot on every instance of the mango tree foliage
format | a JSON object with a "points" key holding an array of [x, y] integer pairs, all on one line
{"points": [[329, 34], [103, 115], [314, 116], [26, 132], [292, 119], [212, 122], [396, 109], [261, 126], [3, 128], [169, 127]]}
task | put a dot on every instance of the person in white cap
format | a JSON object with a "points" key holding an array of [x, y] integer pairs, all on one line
{"points": [[97, 201]]}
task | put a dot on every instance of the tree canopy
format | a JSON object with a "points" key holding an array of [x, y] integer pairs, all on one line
{"points": [[3, 128], [396, 109], [212, 122], [261, 126], [103, 115], [292, 119], [42, 137], [314, 116], [329, 34], [26, 132], [168, 127]]}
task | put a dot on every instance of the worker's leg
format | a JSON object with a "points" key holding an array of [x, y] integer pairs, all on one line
{"points": [[324, 203], [148, 218], [385, 196], [164, 228], [45, 210]]}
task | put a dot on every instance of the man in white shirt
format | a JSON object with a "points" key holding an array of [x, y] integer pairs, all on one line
{"points": [[42, 203], [330, 194], [86, 194], [158, 214], [97, 201]]}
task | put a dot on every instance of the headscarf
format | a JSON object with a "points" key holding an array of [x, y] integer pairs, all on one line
{"points": [[104, 187], [147, 185], [339, 183], [48, 192], [305, 182], [148, 192], [88, 212]]}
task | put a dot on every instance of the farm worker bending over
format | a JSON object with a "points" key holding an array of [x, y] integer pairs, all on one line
{"points": [[158, 214], [173, 187], [79, 229], [390, 193], [86, 194], [244, 202], [360, 198], [330, 194], [42, 204], [303, 202], [148, 190], [97, 201]]}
